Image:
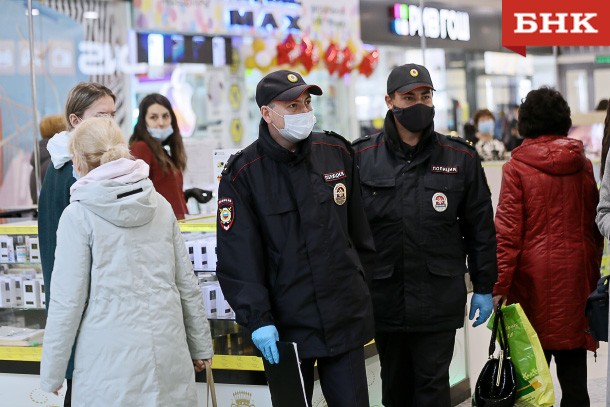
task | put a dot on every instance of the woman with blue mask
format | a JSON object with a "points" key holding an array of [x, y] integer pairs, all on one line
{"points": [[156, 139], [488, 147]]}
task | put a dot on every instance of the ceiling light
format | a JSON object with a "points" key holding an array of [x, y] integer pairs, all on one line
{"points": [[91, 15]]}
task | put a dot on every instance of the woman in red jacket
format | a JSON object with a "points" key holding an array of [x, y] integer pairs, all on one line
{"points": [[156, 139], [549, 248]]}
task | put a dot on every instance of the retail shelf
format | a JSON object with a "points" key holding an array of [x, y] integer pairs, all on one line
{"points": [[221, 362], [31, 228]]}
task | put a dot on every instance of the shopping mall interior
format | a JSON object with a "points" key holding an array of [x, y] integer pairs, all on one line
{"points": [[207, 57]]}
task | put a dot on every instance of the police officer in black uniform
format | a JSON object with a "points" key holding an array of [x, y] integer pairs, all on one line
{"points": [[294, 242], [429, 207]]}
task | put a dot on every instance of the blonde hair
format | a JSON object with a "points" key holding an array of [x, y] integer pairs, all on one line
{"points": [[51, 125], [97, 141]]}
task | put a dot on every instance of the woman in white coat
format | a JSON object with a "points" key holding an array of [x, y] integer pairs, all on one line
{"points": [[123, 286]]}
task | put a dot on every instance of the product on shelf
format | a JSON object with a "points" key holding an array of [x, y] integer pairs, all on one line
{"points": [[15, 336], [7, 249], [202, 251], [31, 293]]}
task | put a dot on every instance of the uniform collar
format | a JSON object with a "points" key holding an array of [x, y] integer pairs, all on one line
{"points": [[278, 153]]}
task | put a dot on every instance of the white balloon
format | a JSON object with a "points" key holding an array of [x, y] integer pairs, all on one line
{"points": [[263, 59]]}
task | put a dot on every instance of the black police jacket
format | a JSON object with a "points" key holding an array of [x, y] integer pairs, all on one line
{"points": [[291, 236], [430, 212]]}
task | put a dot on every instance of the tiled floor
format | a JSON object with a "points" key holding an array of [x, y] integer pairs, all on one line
{"points": [[596, 377]]}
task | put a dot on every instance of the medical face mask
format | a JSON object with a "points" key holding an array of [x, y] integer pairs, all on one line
{"points": [[297, 127], [161, 134], [487, 126], [74, 174], [414, 118]]}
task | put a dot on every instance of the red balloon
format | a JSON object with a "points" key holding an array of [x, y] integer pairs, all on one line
{"points": [[369, 63], [346, 62], [330, 58], [310, 54], [285, 50]]}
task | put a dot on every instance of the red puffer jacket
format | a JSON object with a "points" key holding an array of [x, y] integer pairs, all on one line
{"points": [[549, 248]]}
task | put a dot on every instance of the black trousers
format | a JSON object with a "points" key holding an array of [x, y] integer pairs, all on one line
{"points": [[342, 378], [572, 376], [415, 368], [68, 397]]}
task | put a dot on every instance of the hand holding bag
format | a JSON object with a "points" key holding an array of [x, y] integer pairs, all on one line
{"points": [[497, 383], [209, 379]]}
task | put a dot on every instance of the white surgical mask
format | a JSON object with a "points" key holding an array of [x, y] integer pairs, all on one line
{"points": [[297, 127], [487, 126], [161, 134]]}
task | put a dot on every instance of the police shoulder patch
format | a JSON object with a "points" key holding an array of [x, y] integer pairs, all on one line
{"points": [[226, 213]]}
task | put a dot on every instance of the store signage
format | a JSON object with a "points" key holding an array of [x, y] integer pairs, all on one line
{"points": [[102, 58], [263, 15], [93, 58], [266, 21], [552, 23], [602, 59], [157, 49], [410, 20]]}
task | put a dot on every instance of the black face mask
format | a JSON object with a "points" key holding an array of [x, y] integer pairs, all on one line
{"points": [[414, 118]]}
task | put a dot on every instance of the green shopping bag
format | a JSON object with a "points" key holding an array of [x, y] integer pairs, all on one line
{"points": [[534, 382]]}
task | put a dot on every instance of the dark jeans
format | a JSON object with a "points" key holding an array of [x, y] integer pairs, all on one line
{"points": [[342, 378], [572, 376], [415, 368]]}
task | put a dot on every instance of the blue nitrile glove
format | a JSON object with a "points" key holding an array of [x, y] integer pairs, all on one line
{"points": [[264, 339], [484, 303]]}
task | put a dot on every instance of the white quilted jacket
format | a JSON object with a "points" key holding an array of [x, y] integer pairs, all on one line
{"points": [[124, 287]]}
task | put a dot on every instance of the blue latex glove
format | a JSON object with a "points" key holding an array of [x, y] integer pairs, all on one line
{"points": [[483, 303], [264, 339]]}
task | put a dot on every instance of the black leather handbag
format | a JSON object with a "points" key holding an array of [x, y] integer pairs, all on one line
{"points": [[497, 383], [596, 310]]}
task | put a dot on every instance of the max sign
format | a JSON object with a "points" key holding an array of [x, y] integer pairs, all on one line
{"points": [[554, 23]]}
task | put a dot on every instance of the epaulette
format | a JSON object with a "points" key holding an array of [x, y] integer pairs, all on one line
{"points": [[462, 141], [361, 139], [230, 161], [340, 137], [332, 133]]}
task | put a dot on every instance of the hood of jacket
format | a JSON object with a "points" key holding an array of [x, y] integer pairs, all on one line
{"points": [[556, 155], [119, 192], [58, 149]]}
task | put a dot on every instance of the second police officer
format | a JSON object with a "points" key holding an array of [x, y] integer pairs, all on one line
{"points": [[429, 208]]}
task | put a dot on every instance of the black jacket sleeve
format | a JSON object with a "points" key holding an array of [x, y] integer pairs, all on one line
{"points": [[359, 229], [241, 264], [477, 224]]}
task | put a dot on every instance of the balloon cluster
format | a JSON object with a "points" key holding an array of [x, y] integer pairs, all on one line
{"points": [[304, 54], [261, 55]]}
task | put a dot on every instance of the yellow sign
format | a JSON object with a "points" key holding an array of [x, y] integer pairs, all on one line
{"points": [[235, 61], [237, 130], [234, 97], [27, 354]]}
